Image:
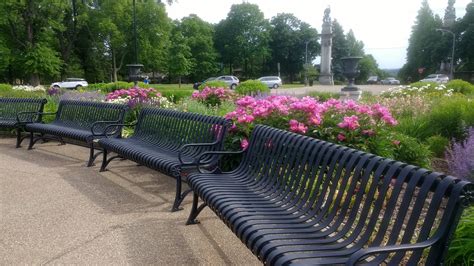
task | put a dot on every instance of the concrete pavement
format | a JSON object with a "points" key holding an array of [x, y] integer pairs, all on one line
{"points": [[54, 210]]}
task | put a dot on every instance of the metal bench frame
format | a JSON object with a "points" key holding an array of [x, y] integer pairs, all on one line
{"points": [[170, 142], [294, 199], [25, 111], [78, 116]]}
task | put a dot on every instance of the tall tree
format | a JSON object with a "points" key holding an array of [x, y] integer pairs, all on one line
{"points": [[465, 45], [288, 44], [340, 49], [242, 38], [426, 47], [450, 14], [179, 59], [198, 35], [356, 47], [28, 31]]}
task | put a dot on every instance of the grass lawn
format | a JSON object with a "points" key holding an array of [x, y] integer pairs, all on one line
{"points": [[292, 85], [172, 86]]}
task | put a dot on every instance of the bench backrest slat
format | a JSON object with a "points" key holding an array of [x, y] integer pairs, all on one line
{"points": [[10, 107], [375, 201], [82, 114], [172, 129]]}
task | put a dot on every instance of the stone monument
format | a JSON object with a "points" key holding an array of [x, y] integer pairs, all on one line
{"points": [[325, 77]]}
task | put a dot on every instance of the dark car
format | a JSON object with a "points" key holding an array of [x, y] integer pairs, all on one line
{"points": [[197, 84]]}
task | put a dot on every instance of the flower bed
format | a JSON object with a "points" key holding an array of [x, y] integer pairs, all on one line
{"points": [[348, 123], [212, 96], [136, 96]]}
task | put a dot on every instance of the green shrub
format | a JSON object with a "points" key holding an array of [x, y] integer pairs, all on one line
{"points": [[21, 94], [252, 87], [448, 117], [461, 249], [420, 84], [437, 145], [5, 87], [410, 150], [324, 96], [213, 84], [175, 95], [460, 86], [416, 127], [192, 106]]}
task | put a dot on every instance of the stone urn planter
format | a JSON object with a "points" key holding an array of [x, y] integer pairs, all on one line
{"points": [[351, 71]]}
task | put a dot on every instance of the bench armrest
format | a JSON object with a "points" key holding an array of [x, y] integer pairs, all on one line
{"points": [[106, 129], [206, 153], [185, 146], [361, 254], [32, 113], [105, 126]]}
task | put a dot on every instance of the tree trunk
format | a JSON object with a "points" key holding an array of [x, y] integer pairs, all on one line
{"points": [[179, 82], [114, 66], [34, 79]]}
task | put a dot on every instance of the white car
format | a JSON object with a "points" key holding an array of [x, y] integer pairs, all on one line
{"points": [[390, 81], [231, 81], [271, 81], [71, 83], [438, 78]]}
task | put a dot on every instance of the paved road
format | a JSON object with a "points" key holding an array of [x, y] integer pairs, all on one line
{"points": [[54, 210], [375, 89]]}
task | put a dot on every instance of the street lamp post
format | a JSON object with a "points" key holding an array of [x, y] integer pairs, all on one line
{"points": [[134, 69], [306, 63], [451, 68]]}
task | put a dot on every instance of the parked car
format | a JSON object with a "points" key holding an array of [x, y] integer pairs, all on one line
{"points": [[373, 80], [197, 84], [231, 81], [390, 81], [71, 83], [272, 82], [438, 78]]}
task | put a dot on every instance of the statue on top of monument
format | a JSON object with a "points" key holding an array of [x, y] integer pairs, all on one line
{"points": [[327, 18]]}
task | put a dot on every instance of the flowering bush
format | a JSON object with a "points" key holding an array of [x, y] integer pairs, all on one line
{"points": [[408, 106], [136, 96], [54, 90], [212, 96], [28, 88], [83, 96], [460, 157], [428, 89], [348, 122]]}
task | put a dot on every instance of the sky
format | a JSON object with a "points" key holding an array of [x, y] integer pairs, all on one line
{"points": [[383, 25]]}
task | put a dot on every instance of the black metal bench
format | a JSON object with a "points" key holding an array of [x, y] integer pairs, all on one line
{"points": [[82, 122], [298, 200], [169, 141], [15, 113]]}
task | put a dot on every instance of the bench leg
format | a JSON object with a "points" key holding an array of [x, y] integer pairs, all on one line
{"points": [[92, 155], [18, 137], [32, 140], [104, 161], [195, 211], [179, 196]]}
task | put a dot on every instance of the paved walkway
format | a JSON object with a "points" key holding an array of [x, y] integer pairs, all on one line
{"points": [[54, 210], [374, 89]]}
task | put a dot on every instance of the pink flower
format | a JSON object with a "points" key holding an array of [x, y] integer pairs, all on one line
{"points": [[368, 132], [245, 118], [315, 120], [297, 127], [396, 143], [350, 122], [341, 137], [244, 144]]}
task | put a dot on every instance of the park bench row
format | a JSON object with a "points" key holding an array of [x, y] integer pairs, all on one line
{"points": [[291, 200]]}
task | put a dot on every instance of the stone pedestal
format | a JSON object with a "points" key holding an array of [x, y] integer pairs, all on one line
{"points": [[349, 94], [325, 78]]}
